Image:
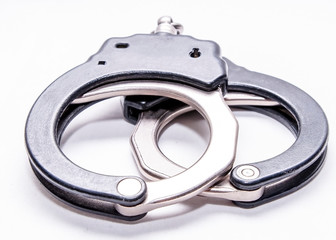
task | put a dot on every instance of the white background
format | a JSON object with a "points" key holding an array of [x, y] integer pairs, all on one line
{"points": [[40, 40]]}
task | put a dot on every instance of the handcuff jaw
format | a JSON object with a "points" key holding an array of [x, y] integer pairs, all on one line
{"points": [[281, 174], [157, 64]]}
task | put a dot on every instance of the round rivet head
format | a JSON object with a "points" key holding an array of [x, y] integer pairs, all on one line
{"points": [[129, 186], [248, 172]]}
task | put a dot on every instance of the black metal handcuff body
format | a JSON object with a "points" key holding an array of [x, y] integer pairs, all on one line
{"points": [[153, 68]]}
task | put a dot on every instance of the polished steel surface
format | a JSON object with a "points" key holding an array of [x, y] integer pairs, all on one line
{"points": [[231, 98], [209, 169], [153, 164]]}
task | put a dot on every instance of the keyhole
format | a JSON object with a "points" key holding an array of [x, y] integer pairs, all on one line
{"points": [[195, 53]]}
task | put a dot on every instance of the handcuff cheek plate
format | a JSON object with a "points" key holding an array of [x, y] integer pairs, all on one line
{"points": [[312, 124]]}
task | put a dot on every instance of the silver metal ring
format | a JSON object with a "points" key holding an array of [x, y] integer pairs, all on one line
{"points": [[154, 165], [97, 192], [296, 166]]}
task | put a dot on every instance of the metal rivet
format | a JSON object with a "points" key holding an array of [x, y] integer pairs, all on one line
{"points": [[248, 172], [129, 186]]}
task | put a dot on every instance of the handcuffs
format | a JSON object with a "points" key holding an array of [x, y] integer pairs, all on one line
{"points": [[163, 75]]}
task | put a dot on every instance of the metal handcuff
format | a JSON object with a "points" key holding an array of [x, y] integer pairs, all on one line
{"points": [[148, 69]]}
